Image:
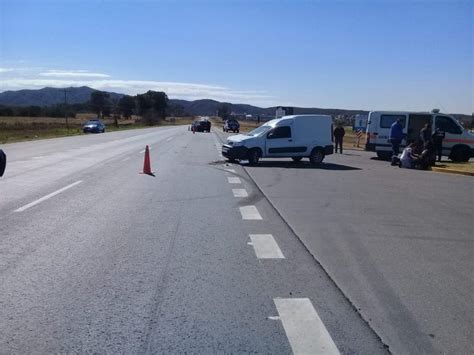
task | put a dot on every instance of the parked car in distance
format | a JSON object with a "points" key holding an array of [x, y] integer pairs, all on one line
{"points": [[201, 125], [295, 137], [93, 126], [231, 125]]}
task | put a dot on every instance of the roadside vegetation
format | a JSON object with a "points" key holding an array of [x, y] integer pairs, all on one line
{"points": [[16, 129]]}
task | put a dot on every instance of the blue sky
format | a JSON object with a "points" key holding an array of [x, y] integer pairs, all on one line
{"points": [[394, 55]]}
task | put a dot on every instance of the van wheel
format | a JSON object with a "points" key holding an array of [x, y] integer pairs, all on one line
{"points": [[297, 159], [237, 131], [317, 156], [384, 155], [460, 153], [253, 156]]}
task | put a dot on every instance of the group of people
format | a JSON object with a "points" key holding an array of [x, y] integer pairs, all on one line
{"points": [[418, 154]]}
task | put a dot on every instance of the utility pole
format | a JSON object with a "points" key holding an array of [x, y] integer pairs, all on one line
{"points": [[65, 112]]}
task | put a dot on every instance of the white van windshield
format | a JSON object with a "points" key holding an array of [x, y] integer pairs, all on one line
{"points": [[258, 131]]}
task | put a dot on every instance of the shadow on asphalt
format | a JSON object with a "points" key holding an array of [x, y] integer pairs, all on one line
{"points": [[300, 165]]}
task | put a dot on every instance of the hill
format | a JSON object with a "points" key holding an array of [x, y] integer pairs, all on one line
{"points": [[49, 96], [206, 107]]}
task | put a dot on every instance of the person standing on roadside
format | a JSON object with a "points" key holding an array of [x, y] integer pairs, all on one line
{"points": [[425, 133], [438, 137], [339, 133], [396, 136]]}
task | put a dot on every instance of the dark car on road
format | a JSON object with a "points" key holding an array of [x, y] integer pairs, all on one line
{"points": [[202, 125], [231, 125], [93, 126], [3, 162]]}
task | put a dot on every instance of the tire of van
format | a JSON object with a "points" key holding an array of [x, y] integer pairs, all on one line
{"points": [[460, 153], [296, 159], [384, 155], [237, 131], [253, 156], [317, 156]]}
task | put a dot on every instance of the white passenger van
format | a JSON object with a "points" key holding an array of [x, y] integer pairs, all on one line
{"points": [[295, 136], [458, 143]]}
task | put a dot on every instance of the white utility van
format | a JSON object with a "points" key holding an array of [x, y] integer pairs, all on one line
{"points": [[295, 136], [458, 143]]}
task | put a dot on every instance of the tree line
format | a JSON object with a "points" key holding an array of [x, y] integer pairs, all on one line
{"points": [[152, 106]]}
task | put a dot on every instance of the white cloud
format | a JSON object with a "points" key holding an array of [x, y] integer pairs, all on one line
{"points": [[188, 91], [6, 70], [73, 74]]}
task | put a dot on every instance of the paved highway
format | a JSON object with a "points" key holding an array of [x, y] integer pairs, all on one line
{"points": [[97, 258], [399, 243]]}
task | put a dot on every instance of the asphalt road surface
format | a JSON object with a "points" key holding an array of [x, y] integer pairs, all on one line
{"points": [[399, 243], [213, 257], [97, 258]]}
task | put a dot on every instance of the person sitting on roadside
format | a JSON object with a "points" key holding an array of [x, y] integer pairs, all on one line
{"points": [[427, 157], [407, 157]]}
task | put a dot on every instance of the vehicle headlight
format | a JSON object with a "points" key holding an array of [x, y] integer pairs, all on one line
{"points": [[237, 144]]}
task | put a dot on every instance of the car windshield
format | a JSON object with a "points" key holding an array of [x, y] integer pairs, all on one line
{"points": [[260, 130], [92, 122]]}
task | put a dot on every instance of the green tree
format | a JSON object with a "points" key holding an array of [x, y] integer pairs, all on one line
{"points": [[126, 106], [99, 102], [152, 106], [223, 111]]}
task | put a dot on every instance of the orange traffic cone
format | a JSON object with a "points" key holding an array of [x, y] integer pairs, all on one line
{"points": [[146, 163]]}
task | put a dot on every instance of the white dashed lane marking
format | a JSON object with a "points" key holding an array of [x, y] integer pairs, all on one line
{"points": [[265, 246], [304, 329], [250, 213], [240, 193], [34, 203], [234, 180]]}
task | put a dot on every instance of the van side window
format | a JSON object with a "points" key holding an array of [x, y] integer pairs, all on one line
{"points": [[447, 125], [386, 121], [280, 132]]}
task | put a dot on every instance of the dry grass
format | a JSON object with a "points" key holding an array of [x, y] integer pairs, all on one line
{"points": [[15, 129], [449, 165]]}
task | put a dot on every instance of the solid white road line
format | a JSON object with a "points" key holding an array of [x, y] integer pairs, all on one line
{"points": [[304, 329], [230, 170], [265, 246], [234, 180], [240, 193], [21, 209], [250, 213]]}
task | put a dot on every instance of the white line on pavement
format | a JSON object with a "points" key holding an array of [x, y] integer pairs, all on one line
{"points": [[21, 209], [265, 246], [304, 329], [250, 212], [234, 180], [125, 159], [240, 193], [169, 139], [230, 170]]}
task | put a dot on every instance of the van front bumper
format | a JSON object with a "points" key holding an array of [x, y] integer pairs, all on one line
{"points": [[234, 152]]}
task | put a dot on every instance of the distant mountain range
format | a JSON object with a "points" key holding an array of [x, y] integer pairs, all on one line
{"points": [[76, 95]]}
